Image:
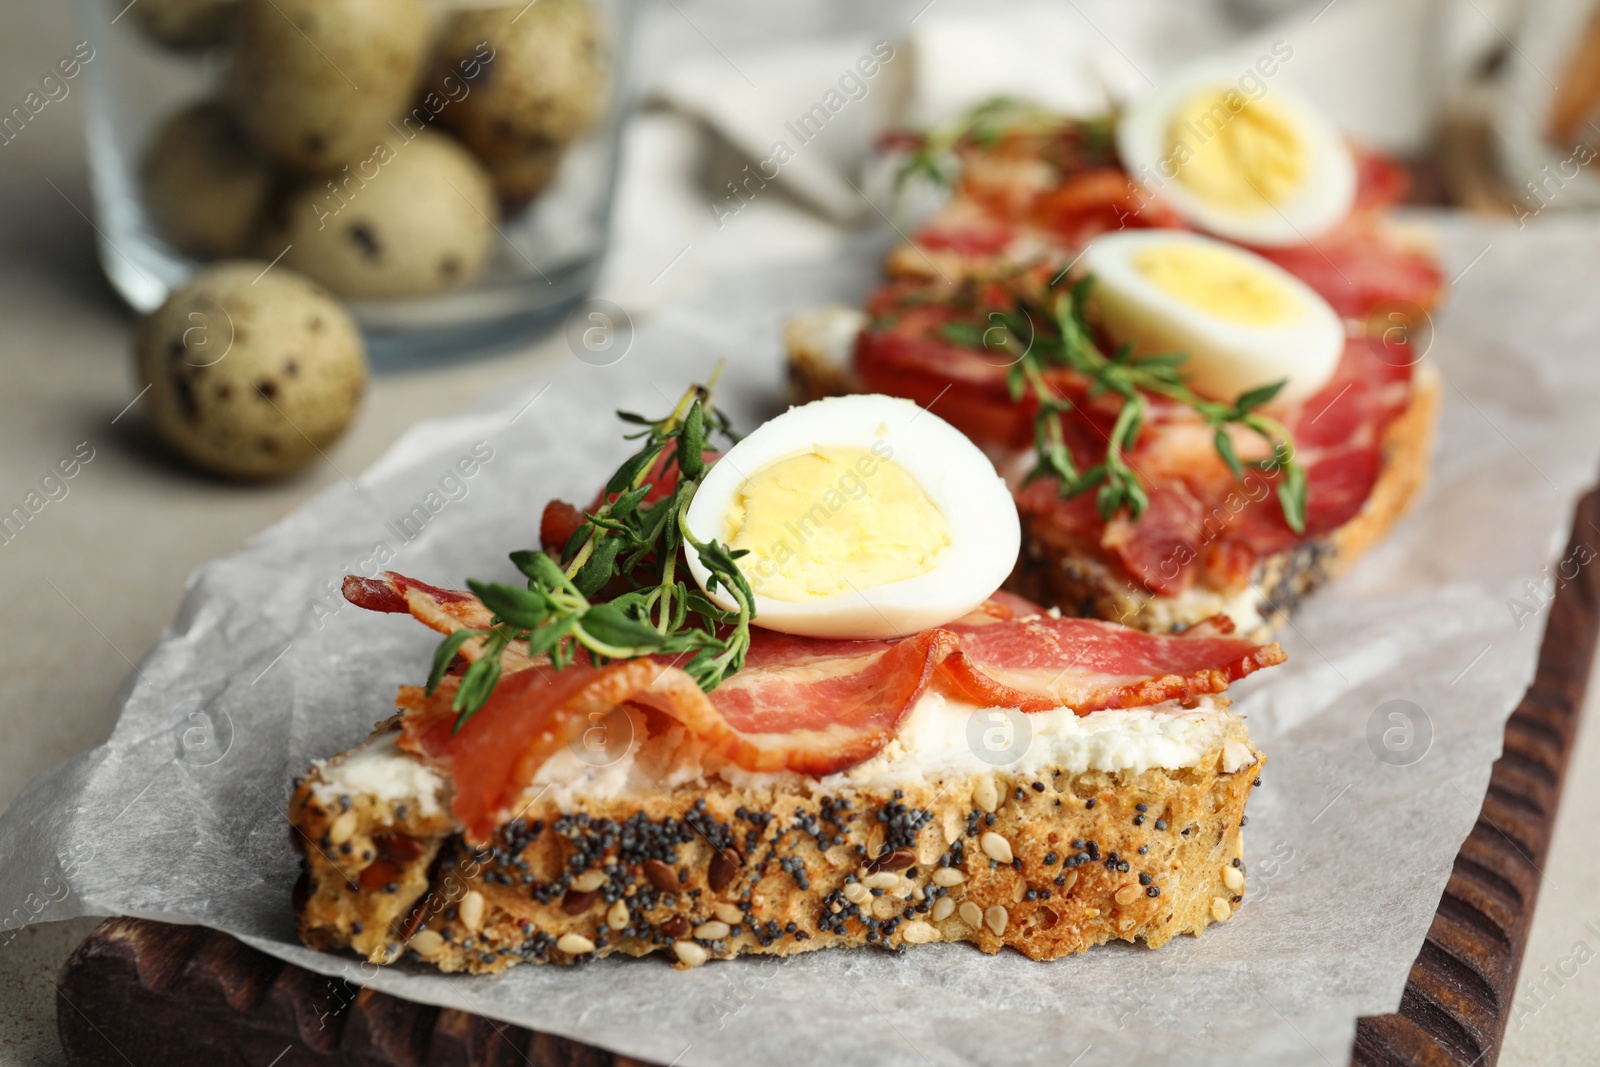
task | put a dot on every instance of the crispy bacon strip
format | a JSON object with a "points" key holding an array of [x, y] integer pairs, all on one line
{"points": [[527, 719], [444, 610], [1000, 607], [1037, 663], [813, 711], [817, 707]]}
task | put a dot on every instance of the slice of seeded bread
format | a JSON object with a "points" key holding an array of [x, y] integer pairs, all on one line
{"points": [[1064, 572], [1049, 864], [821, 346]]}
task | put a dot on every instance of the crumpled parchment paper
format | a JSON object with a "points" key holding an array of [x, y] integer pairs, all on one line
{"points": [[1380, 730]]}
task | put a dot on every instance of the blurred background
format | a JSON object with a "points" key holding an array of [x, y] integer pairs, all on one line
{"points": [[510, 185]]}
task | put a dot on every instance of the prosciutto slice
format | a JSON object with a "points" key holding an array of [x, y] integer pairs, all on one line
{"points": [[1203, 525], [800, 704], [1361, 270]]}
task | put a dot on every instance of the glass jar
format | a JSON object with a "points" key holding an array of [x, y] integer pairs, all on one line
{"points": [[446, 168]]}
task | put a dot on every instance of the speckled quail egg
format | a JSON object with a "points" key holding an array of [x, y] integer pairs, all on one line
{"points": [[521, 177], [317, 82], [187, 25], [542, 80], [204, 185], [413, 217], [252, 371]]}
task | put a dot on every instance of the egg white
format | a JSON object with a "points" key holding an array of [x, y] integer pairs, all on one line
{"points": [[959, 480], [1324, 197], [1224, 358]]}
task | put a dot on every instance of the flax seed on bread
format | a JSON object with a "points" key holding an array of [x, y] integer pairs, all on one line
{"points": [[1048, 863]]}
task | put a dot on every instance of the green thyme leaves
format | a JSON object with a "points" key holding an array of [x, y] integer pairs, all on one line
{"points": [[1069, 343], [617, 591]]}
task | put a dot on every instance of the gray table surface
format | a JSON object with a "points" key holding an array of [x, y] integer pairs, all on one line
{"points": [[95, 576]]}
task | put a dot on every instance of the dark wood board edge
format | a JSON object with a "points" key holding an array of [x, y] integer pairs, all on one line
{"points": [[144, 992], [1457, 1000], [151, 994]]}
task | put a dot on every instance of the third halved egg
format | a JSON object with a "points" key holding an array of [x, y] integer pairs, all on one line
{"points": [[1240, 157]]}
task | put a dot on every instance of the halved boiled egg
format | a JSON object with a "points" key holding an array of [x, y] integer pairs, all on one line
{"points": [[864, 517], [1241, 320], [1239, 156]]}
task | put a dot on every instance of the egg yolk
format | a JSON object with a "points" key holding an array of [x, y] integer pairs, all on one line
{"points": [[832, 521], [1235, 153], [1217, 282]]}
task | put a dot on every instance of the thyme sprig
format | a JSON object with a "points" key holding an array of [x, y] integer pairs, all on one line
{"points": [[629, 542], [1069, 341]]}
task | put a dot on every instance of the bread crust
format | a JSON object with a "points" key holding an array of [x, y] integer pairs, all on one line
{"points": [[791, 866], [1063, 571]]}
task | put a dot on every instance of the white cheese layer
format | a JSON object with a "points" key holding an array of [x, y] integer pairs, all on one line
{"points": [[945, 738], [377, 768], [940, 739], [1196, 603], [828, 334]]}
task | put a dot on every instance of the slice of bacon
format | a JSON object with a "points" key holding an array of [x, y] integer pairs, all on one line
{"points": [[816, 706], [810, 707], [1381, 182], [905, 351], [527, 719], [972, 234], [1037, 663], [1000, 607], [1099, 201], [443, 610]]}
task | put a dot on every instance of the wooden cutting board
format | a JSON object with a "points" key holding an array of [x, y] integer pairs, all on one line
{"points": [[146, 993]]}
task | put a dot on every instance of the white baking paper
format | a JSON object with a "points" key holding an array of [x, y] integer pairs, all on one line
{"points": [[180, 814]]}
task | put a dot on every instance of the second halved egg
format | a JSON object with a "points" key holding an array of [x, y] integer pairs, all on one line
{"points": [[1240, 321]]}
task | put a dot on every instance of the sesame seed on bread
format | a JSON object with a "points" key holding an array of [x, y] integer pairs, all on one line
{"points": [[1049, 863]]}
